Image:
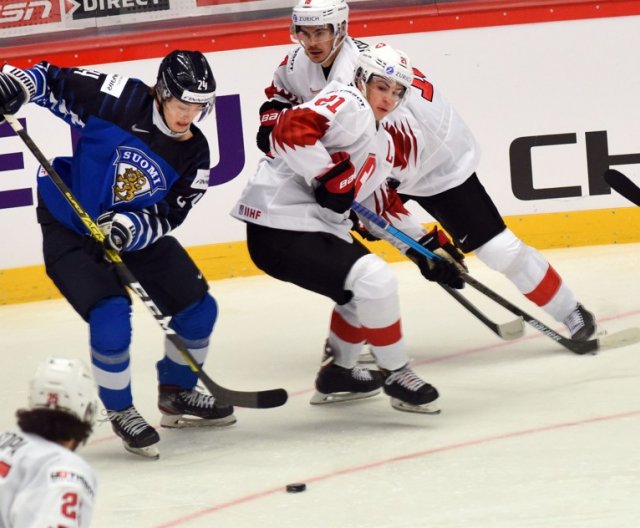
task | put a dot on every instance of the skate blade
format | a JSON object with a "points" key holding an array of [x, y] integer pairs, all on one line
{"points": [[336, 397], [426, 408], [151, 452], [181, 421]]}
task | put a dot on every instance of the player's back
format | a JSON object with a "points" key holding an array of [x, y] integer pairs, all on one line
{"points": [[43, 484]]}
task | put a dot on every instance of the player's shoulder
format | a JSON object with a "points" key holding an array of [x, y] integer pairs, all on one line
{"points": [[295, 60], [344, 93]]}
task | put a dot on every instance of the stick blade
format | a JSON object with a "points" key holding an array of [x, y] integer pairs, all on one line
{"points": [[623, 185], [511, 330], [625, 337]]}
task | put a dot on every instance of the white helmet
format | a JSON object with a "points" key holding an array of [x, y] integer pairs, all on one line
{"points": [[383, 60], [334, 13], [64, 385]]}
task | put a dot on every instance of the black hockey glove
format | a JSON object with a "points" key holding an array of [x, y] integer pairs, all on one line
{"points": [[439, 270], [117, 229], [269, 112], [16, 88], [439, 243], [337, 185]]}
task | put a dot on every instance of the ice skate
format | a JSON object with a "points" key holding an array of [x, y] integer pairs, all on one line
{"points": [[191, 408], [581, 323], [409, 393], [337, 384], [137, 435]]}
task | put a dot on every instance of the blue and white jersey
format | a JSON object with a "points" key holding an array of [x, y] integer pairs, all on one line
{"points": [[123, 161]]}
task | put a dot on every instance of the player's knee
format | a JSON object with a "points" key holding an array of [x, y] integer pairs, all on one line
{"points": [[371, 278], [110, 325], [502, 251], [196, 320]]}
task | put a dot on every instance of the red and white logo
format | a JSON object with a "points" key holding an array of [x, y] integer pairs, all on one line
{"points": [[29, 13]]}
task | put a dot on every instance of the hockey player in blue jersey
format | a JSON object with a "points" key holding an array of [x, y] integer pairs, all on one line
{"points": [[139, 167]]}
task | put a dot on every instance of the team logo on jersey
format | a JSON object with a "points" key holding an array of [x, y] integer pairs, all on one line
{"points": [[136, 175]]}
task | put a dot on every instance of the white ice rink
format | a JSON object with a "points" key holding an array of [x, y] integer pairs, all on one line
{"points": [[530, 435]]}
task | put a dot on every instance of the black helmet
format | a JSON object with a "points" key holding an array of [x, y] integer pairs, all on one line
{"points": [[187, 76]]}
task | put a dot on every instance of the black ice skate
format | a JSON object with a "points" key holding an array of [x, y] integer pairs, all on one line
{"points": [[191, 408], [137, 435], [581, 323], [337, 384], [410, 393]]}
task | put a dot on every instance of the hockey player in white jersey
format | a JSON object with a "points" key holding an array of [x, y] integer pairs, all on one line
{"points": [[325, 153], [325, 53], [43, 482], [436, 157]]}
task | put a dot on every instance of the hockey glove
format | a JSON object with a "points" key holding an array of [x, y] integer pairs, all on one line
{"points": [[118, 230], [16, 88], [269, 112], [441, 271], [439, 243], [338, 184]]}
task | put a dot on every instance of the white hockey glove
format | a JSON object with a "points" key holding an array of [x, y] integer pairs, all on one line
{"points": [[16, 89], [118, 230]]}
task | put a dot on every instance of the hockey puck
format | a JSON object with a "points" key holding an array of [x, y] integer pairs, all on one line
{"points": [[296, 487]]}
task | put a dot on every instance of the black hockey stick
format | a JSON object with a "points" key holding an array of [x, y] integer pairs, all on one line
{"points": [[620, 338], [621, 183], [510, 330], [258, 399]]}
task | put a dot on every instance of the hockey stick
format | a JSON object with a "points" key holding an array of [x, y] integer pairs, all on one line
{"points": [[620, 338], [510, 330], [623, 185], [258, 399]]}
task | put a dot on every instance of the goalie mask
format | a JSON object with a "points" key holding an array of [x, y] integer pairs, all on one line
{"points": [[383, 61], [64, 385], [331, 14], [187, 76]]}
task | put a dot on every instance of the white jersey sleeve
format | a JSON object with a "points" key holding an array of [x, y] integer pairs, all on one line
{"points": [[43, 484]]}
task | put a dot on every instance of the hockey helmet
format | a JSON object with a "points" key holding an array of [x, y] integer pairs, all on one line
{"points": [[333, 13], [384, 61], [64, 385], [187, 76]]}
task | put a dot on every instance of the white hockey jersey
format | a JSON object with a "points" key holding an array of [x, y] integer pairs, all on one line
{"points": [[298, 80], [281, 192], [434, 149], [43, 484]]}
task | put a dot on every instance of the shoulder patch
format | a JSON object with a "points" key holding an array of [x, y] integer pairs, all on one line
{"points": [[114, 84], [201, 181], [62, 476]]}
